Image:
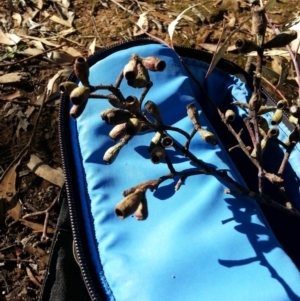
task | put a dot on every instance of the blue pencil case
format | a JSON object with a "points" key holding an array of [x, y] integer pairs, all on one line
{"points": [[195, 242]]}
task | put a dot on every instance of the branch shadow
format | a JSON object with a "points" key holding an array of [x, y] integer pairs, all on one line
{"points": [[254, 232]]}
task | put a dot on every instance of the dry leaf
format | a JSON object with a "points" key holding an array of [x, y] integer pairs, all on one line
{"points": [[172, 25], [36, 44], [31, 277], [270, 4], [270, 53], [161, 16], [66, 32], [43, 170], [58, 20], [53, 81], [35, 226], [281, 66], [213, 48], [221, 51], [18, 18], [42, 40], [199, 14], [10, 96], [11, 109], [33, 24], [8, 192], [31, 51], [187, 18], [62, 7], [9, 39], [92, 47], [218, 54], [60, 57], [142, 25], [15, 77], [23, 123], [71, 51], [216, 3], [39, 4]]}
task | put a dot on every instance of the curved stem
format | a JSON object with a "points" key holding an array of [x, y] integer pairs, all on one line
{"points": [[175, 129]]}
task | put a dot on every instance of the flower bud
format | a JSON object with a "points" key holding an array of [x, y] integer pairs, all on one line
{"points": [[265, 109], [157, 154], [167, 141], [130, 70], [207, 136], [245, 46], [82, 71], [141, 212], [112, 153], [133, 126], [118, 131], [293, 119], [115, 102], [192, 112], [263, 144], [115, 116], [277, 117], [281, 40], [129, 204], [293, 138], [153, 110], [259, 24], [230, 116], [262, 132], [142, 79], [77, 110], [263, 123], [273, 132], [282, 104], [67, 87], [132, 104], [153, 63], [80, 95], [154, 141]]}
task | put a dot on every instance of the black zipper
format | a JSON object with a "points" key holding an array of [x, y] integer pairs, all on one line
{"points": [[66, 149]]}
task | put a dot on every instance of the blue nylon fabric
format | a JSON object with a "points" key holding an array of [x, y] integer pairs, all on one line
{"points": [[197, 243]]}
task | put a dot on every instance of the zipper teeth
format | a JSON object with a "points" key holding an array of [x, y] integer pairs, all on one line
{"points": [[69, 190], [64, 153], [73, 216]]}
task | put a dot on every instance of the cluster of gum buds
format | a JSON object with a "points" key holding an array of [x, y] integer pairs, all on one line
{"points": [[128, 119], [269, 130], [256, 107], [260, 130], [135, 72]]}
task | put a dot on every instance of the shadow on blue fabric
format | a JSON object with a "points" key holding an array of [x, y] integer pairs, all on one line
{"points": [[254, 233]]}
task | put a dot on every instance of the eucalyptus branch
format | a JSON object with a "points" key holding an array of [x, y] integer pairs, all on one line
{"points": [[154, 184], [128, 120], [269, 176], [119, 80], [174, 129], [192, 134], [111, 89], [275, 89]]}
